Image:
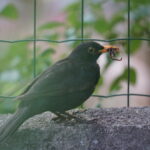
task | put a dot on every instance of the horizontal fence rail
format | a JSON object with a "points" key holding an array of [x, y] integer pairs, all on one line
{"points": [[100, 96], [72, 40]]}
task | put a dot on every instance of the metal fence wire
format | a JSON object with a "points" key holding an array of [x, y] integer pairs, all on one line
{"points": [[128, 39]]}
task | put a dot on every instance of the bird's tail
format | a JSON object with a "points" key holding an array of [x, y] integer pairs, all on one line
{"points": [[13, 123]]}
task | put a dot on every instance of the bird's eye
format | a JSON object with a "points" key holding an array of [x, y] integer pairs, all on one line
{"points": [[91, 50]]}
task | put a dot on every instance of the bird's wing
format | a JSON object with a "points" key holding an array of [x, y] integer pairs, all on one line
{"points": [[29, 86], [62, 78]]}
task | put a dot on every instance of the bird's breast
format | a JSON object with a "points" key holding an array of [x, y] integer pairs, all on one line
{"points": [[88, 75]]}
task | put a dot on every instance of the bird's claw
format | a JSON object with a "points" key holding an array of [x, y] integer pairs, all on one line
{"points": [[66, 116]]}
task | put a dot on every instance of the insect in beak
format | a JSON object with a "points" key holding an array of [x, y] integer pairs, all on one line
{"points": [[112, 50]]}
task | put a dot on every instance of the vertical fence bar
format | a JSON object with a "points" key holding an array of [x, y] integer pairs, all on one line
{"points": [[128, 86], [34, 42], [82, 19]]}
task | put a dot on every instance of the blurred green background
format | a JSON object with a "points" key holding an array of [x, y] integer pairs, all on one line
{"points": [[59, 20]]}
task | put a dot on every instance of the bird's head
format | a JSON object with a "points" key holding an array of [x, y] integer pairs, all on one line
{"points": [[90, 51]]}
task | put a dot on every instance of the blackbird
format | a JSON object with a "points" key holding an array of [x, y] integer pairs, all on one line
{"points": [[63, 86]]}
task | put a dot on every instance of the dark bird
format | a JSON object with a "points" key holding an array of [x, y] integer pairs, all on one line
{"points": [[63, 86]]}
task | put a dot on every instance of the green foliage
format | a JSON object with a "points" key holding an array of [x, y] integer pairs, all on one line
{"points": [[45, 58], [100, 83], [50, 25], [10, 11], [137, 3], [15, 64], [134, 46], [16, 53], [73, 19], [101, 25], [116, 84]]}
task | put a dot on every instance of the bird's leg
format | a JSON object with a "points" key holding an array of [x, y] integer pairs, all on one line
{"points": [[63, 116], [70, 116], [59, 116], [66, 116]]}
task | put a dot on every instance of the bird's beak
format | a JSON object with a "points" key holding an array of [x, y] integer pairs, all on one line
{"points": [[112, 50], [107, 48]]}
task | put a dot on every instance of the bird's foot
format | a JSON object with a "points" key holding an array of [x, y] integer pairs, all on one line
{"points": [[59, 117], [73, 117], [63, 116]]}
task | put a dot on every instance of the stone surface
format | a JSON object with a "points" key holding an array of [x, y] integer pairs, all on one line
{"points": [[106, 129]]}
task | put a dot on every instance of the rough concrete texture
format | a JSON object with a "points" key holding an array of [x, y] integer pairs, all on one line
{"points": [[106, 129]]}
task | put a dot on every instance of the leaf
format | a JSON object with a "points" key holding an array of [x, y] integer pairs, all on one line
{"points": [[111, 35], [100, 83], [137, 3], [50, 25], [10, 11], [72, 7], [47, 52], [101, 25], [116, 19], [116, 84], [74, 16], [134, 46], [15, 51], [133, 77], [54, 36]]}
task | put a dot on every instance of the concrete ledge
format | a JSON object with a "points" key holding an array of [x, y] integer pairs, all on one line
{"points": [[108, 129]]}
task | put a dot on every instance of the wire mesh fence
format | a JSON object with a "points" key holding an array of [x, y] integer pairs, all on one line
{"points": [[128, 39]]}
